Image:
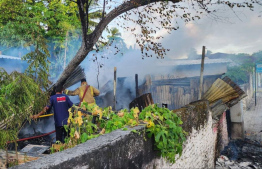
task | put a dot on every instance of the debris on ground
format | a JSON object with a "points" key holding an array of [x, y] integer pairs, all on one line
{"points": [[22, 158], [243, 154]]}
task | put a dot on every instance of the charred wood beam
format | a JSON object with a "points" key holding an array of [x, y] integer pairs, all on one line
{"points": [[173, 82], [142, 101]]}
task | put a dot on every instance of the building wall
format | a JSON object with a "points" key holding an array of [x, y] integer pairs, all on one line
{"points": [[248, 88], [175, 92]]}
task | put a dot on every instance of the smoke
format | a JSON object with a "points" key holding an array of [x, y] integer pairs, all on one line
{"points": [[128, 63], [14, 51], [43, 125]]}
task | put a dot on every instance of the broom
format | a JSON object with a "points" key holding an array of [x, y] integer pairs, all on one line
{"points": [[74, 78]]}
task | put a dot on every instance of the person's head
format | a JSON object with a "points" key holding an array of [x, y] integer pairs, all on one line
{"points": [[83, 82], [59, 89]]}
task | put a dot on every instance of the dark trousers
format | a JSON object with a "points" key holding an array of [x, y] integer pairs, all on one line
{"points": [[60, 133]]}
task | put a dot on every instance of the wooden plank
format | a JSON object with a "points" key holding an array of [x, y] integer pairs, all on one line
{"points": [[201, 73], [136, 82], [114, 106]]}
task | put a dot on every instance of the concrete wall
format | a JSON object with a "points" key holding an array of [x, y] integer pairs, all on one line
{"points": [[126, 149], [238, 110], [248, 88], [198, 150], [237, 122]]}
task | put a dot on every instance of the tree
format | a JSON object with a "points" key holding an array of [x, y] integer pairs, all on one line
{"points": [[165, 12], [34, 24], [20, 97], [115, 39]]}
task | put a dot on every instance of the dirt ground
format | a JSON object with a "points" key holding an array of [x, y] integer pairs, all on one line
{"points": [[22, 158]]}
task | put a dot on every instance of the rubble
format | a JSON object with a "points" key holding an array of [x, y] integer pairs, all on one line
{"points": [[240, 154], [22, 158]]}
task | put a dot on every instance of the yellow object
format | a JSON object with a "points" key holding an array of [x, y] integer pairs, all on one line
{"points": [[150, 124], [77, 136], [130, 121], [79, 113], [46, 115], [100, 115], [80, 120], [120, 114], [94, 113], [96, 110], [57, 147], [103, 131], [92, 90], [136, 110], [65, 91], [220, 90]]}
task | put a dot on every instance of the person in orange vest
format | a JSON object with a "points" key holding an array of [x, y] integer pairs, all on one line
{"points": [[85, 92]]}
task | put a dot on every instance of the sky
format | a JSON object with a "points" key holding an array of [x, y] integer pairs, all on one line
{"points": [[237, 31]]}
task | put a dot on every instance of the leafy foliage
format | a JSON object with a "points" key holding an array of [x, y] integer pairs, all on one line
{"points": [[237, 74], [164, 125], [244, 65], [160, 123], [20, 97]]}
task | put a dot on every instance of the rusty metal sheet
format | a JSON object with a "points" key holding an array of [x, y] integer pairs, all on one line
{"points": [[34, 150]]}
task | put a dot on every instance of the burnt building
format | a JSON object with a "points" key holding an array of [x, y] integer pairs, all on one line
{"points": [[180, 84]]}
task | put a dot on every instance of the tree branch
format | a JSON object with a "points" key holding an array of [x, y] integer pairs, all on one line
{"points": [[87, 12], [80, 5], [126, 6], [89, 40], [104, 6]]}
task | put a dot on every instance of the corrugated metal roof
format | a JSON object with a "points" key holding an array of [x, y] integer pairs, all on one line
{"points": [[222, 94], [9, 57], [220, 90], [182, 62]]}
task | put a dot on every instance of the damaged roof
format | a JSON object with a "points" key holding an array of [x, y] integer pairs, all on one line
{"points": [[181, 62], [223, 94]]}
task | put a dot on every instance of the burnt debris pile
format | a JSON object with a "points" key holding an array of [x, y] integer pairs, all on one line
{"points": [[241, 154]]}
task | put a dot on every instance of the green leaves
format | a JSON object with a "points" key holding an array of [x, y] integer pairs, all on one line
{"points": [[169, 135], [161, 123], [84, 137], [20, 97]]}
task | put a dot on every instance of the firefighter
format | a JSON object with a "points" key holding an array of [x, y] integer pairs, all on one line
{"points": [[61, 103], [85, 92]]}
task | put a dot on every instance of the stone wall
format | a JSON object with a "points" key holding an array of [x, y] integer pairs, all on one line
{"points": [[126, 149]]}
